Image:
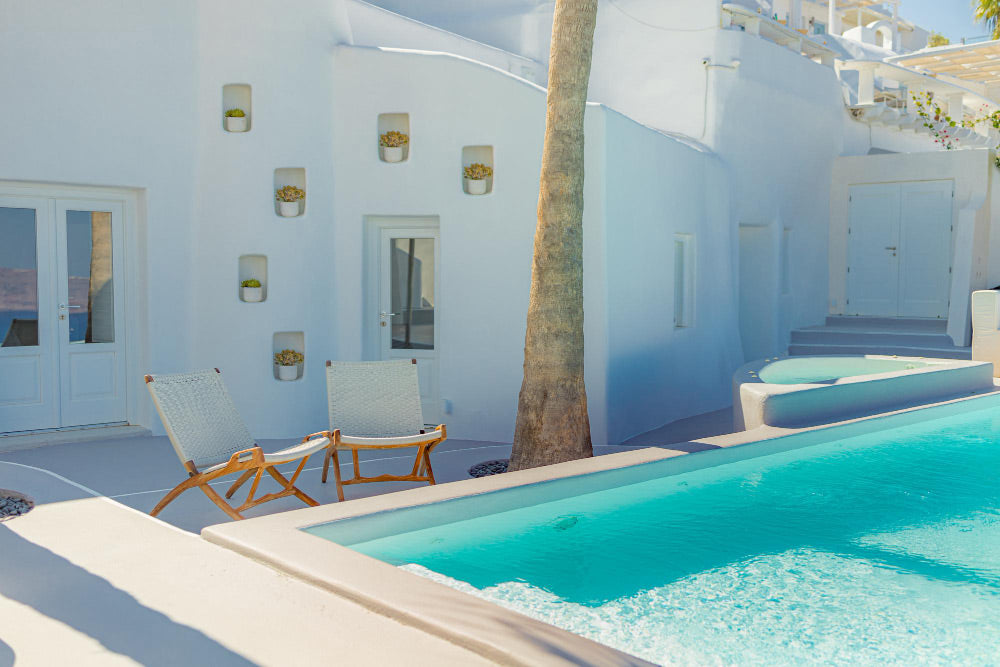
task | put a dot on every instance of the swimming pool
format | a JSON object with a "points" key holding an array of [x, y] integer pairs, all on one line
{"points": [[875, 547]]}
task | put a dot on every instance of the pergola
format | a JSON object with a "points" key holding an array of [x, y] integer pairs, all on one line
{"points": [[975, 63]]}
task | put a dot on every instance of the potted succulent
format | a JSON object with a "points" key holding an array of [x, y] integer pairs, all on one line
{"points": [[236, 120], [475, 178], [287, 362], [252, 291], [392, 143], [288, 200]]}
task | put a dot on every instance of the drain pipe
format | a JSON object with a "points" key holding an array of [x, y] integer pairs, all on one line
{"points": [[709, 89]]}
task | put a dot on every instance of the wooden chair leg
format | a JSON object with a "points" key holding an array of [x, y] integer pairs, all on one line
{"points": [[290, 484], [239, 482], [357, 466], [326, 462], [217, 499], [189, 483], [427, 464], [336, 474]]}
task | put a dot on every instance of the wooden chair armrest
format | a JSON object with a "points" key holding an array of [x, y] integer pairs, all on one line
{"points": [[318, 434], [256, 454]]}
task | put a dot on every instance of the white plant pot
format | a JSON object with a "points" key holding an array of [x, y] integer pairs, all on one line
{"points": [[236, 124], [288, 373], [288, 209], [253, 294], [475, 187], [392, 153]]}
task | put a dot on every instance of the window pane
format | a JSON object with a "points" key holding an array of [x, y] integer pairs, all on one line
{"points": [[18, 278], [412, 294], [91, 285]]}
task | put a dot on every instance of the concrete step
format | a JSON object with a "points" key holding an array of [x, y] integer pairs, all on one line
{"points": [[836, 335], [899, 324], [949, 352]]}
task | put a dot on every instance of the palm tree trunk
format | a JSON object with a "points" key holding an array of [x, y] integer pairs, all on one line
{"points": [[552, 420]]}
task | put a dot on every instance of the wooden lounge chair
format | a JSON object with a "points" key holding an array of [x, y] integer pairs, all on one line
{"points": [[206, 430], [376, 405]]}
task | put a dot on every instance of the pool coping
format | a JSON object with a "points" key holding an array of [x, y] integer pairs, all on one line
{"points": [[498, 633]]}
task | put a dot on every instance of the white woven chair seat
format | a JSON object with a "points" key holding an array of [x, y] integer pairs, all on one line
{"points": [[398, 441], [374, 399], [293, 453]]}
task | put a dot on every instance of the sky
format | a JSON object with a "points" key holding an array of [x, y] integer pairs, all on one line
{"points": [[952, 18]]}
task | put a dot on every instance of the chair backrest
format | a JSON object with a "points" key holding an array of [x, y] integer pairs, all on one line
{"points": [[199, 416], [374, 399]]}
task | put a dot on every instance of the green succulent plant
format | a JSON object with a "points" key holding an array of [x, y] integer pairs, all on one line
{"points": [[253, 282], [235, 113], [288, 358]]}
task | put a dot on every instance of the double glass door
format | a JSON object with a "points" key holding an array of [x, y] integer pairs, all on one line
{"points": [[62, 338]]}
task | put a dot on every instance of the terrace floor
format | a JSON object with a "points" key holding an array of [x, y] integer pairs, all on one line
{"points": [[89, 578]]}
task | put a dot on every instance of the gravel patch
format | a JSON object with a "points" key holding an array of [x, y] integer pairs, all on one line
{"points": [[485, 468], [14, 504]]}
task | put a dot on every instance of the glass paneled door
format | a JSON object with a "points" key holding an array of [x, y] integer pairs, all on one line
{"points": [[61, 313], [408, 306], [28, 372]]}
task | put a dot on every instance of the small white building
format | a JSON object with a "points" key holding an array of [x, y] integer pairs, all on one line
{"points": [[732, 161]]}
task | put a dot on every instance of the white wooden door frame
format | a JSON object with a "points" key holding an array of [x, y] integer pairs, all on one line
{"points": [[133, 285]]}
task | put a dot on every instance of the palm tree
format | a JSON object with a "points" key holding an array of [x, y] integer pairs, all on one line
{"points": [[988, 12], [552, 420]]}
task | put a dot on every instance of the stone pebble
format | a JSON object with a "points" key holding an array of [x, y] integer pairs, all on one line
{"points": [[11, 506]]}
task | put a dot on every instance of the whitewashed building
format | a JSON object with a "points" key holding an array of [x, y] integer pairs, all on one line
{"points": [[751, 169]]}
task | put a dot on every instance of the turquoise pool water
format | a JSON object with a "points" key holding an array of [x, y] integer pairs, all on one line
{"points": [[876, 549], [805, 370]]}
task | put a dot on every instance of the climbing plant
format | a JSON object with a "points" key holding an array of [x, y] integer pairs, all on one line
{"points": [[942, 126]]}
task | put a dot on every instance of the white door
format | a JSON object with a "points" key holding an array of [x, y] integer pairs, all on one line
{"points": [[61, 313], [899, 249], [873, 264], [925, 249], [408, 281]]}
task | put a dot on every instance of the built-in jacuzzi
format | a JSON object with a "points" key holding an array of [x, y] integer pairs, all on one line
{"points": [[810, 390]]}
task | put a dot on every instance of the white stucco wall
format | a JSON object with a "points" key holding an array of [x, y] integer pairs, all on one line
{"points": [[294, 99], [132, 97], [641, 187], [657, 188], [104, 97]]}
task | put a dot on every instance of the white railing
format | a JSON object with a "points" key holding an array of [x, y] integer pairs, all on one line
{"points": [[738, 16]]}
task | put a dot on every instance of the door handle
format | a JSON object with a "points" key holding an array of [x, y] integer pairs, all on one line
{"points": [[890, 247], [64, 306], [382, 315]]}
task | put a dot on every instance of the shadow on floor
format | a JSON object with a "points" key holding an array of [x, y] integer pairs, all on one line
{"points": [[94, 607], [6, 655], [685, 432]]}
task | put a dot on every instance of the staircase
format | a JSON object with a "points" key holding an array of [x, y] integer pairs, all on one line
{"points": [[878, 335]]}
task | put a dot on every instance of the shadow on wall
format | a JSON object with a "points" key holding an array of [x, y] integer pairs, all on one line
{"points": [[92, 606]]}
